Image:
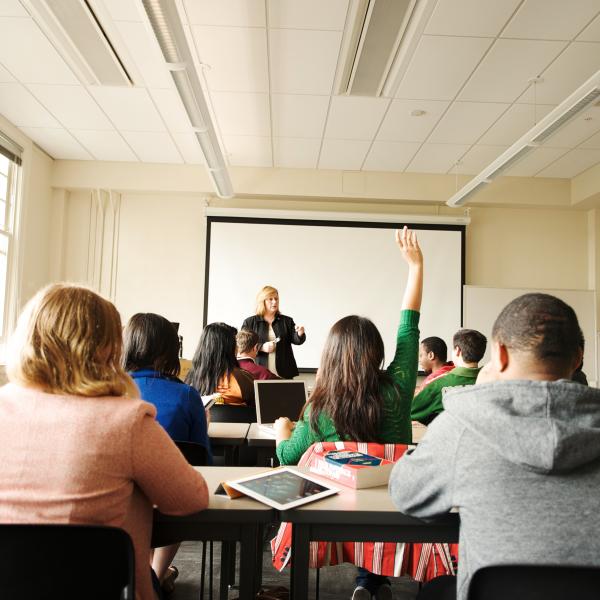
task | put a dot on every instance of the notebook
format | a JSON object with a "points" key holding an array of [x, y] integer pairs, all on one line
{"points": [[278, 398]]}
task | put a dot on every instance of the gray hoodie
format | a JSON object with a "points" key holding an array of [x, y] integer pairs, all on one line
{"points": [[521, 462]]}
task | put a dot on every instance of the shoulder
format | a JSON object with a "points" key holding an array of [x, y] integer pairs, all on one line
{"points": [[251, 321]]}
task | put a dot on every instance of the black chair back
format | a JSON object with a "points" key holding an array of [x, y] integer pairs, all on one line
{"points": [[534, 582], [225, 413], [46, 562], [195, 454]]}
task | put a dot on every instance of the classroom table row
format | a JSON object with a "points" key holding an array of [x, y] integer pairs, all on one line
{"points": [[350, 515]]}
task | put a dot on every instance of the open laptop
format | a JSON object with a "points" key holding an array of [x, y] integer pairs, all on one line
{"points": [[278, 398]]}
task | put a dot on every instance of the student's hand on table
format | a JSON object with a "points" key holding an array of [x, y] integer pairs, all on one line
{"points": [[283, 429], [269, 347], [409, 247], [300, 330]]}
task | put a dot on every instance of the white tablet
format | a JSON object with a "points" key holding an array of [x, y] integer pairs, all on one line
{"points": [[283, 488]]}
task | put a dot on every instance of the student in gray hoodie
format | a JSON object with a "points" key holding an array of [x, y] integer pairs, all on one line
{"points": [[518, 454]]}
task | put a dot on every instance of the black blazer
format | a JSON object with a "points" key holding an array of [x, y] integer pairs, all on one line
{"points": [[284, 328]]}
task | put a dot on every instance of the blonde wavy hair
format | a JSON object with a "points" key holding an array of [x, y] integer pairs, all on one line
{"points": [[262, 296], [68, 340]]}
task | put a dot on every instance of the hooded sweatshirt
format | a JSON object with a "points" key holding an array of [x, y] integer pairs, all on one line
{"points": [[520, 460]]}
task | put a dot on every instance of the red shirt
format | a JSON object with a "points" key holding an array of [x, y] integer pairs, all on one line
{"points": [[257, 371], [435, 375]]}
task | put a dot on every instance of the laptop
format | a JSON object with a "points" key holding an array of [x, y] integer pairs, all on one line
{"points": [[278, 398]]}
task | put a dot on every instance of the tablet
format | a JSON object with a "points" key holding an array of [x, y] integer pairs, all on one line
{"points": [[209, 400], [283, 488]]}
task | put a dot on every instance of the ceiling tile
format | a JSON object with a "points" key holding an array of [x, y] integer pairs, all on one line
{"points": [[22, 109], [514, 123], [189, 147], [440, 66], [233, 13], [129, 109], [242, 113], [534, 162], [72, 106], [470, 17], [303, 62], [398, 124], [146, 54], [152, 146], [577, 130], [236, 57], [476, 159], [105, 145], [436, 158], [465, 122], [248, 151], [593, 142], [551, 19], [592, 32], [296, 153], [123, 10], [12, 8], [504, 73], [570, 70], [355, 118], [58, 143], [308, 14], [571, 164], [298, 115], [390, 156], [346, 155], [5, 76], [41, 63], [171, 109]]}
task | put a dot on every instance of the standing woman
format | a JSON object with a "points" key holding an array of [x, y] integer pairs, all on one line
{"points": [[276, 334]]}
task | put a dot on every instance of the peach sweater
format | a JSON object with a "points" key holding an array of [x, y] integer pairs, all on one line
{"points": [[101, 461]]}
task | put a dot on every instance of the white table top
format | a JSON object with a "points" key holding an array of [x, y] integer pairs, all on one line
{"points": [[228, 431]]}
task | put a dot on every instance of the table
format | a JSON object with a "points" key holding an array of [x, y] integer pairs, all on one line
{"points": [[356, 515], [264, 444], [229, 435], [418, 431], [225, 520]]}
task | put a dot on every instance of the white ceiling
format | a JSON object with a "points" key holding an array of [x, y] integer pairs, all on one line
{"points": [[270, 66]]}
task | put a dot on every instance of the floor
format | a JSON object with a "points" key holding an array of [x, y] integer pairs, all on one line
{"points": [[335, 582]]}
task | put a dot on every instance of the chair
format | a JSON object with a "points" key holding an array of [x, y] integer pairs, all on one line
{"points": [[535, 582], [45, 562], [226, 413]]}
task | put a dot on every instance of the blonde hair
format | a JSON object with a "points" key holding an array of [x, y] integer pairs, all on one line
{"points": [[262, 296], [68, 340]]}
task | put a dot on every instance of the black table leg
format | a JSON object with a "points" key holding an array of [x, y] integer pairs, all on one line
{"points": [[225, 571], [300, 557], [248, 561]]}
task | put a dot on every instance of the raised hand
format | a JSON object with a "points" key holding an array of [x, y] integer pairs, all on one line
{"points": [[300, 330], [409, 246]]}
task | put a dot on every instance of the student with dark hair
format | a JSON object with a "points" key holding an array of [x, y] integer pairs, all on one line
{"points": [[151, 356], [247, 351], [518, 454], [433, 358], [354, 399], [468, 349]]}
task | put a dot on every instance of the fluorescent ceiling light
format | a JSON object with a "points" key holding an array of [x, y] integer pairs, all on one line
{"points": [[167, 27], [577, 102], [75, 31]]}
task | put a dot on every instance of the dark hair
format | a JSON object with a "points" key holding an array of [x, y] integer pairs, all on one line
{"points": [[542, 325], [151, 342], [437, 346], [472, 344], [214, 358], [347, 388], [246, 339]]}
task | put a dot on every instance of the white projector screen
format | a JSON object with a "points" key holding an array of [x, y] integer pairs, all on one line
{"points": [[325, 270]]}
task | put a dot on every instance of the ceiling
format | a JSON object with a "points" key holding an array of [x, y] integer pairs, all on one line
{"points": [[269, 68]]}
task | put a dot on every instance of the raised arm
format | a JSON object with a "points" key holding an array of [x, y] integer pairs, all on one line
{"points": [[411, 253]]}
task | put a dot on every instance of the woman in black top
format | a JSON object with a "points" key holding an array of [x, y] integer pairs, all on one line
{"points": [[278, 346]]}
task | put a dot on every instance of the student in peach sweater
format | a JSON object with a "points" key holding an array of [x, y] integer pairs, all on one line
{"points": [[78, 446]]}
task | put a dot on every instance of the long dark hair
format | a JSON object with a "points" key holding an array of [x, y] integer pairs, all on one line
{"points": [[348, 383], [214, 358], [151, 342]]}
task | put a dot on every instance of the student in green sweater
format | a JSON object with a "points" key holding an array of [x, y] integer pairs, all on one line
{"points": [[468, 349], [354, 399]]}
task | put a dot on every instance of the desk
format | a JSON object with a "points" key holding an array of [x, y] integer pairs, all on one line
{"points": [[264, 444], [418, 431], [224, 520], [356, 515], [230, 436]]}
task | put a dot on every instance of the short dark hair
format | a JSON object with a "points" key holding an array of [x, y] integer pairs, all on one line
{"points": [[542, 325], [246, 339], [151, 342], [437, 346], [472, 344]]}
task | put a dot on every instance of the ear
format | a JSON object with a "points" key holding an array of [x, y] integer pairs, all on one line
{"points": [[457, 351], [430, 356], [501, 357]]}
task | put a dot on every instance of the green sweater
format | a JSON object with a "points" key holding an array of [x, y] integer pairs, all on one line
{"points": [[395, 426], [427, 404]]}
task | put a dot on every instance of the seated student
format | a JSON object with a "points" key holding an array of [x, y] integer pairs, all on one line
{"points": [[354, 399], [151, 355], [468, 349], [247, 350], [433, 358], [78, 446], [518, 454]]}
